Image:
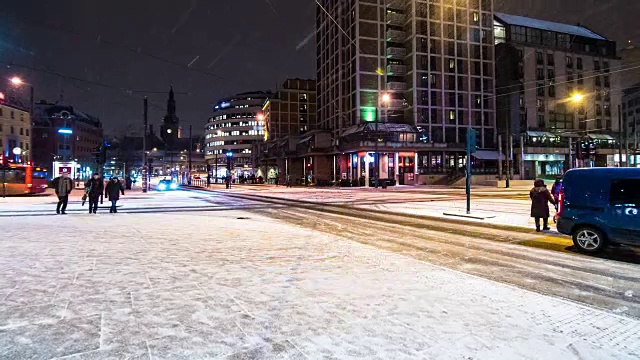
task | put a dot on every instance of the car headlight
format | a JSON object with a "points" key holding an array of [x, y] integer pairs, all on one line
{"points": [[174, 186], [162, 187]]}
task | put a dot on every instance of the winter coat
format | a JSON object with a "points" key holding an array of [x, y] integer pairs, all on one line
{"points": [[540, 199], [62, 186], [555, 189], [113, 190], [94, 187]]}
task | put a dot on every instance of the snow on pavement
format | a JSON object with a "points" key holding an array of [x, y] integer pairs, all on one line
{"points": [[219, 285]]}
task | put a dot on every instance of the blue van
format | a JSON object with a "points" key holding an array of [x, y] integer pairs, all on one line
{"points": [[600, 206]]}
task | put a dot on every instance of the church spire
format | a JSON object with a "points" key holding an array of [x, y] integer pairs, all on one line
{"points": [[171, 106]]}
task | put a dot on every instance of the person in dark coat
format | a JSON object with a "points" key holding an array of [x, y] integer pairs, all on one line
{"points": [[540, 199], [112, 192], [62, 186], [94, 188]]}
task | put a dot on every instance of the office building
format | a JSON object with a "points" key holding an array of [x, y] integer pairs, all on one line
{"points": [[399, 84], [555, 88], [237, 122], [15, 129], [63, 133]]}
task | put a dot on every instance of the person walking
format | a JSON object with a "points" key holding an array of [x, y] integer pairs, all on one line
{"points": [[63, 186], [94, 188], [540, 199], [112, 192], [555, 191]]}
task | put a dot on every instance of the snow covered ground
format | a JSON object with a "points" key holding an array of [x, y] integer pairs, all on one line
{"points": [[236, 285]]}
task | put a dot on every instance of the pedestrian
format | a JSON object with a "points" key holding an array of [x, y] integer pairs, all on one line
{"points": [[555, 191], [63, 186], [540, 199], [112, 192], [94, 188]]}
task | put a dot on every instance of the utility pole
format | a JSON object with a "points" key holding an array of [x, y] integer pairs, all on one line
{"points": [[145, 166], [471, 148], [190, 149], [626, 138], [509, 145], [620, 144], [499, 157]]}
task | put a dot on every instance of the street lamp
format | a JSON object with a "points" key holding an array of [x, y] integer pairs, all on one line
{"points": [[386, 100], [578, 98], [17, 82], [229, 157]]}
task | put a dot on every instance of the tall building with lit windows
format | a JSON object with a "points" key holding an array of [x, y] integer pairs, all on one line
{"points": [[401, 81], [557, 85], [233, 128]]}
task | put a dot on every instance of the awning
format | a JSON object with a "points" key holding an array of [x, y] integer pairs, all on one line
{"points": [[381, 128], [541, 134], [601, 137], [487, 155]]}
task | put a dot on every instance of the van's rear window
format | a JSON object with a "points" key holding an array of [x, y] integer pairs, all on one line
{"points": [[625, 192]]}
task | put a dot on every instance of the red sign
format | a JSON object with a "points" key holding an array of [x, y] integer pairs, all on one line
{"points": [[64, 170]]}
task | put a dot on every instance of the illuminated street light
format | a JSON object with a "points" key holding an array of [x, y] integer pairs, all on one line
{"points": [[168, 131], [386, 98], [577, 97], [17, 151], [16, 81], [260, 117]]}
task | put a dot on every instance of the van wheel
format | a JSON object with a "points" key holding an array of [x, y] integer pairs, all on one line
{"points": [[588, 239]]}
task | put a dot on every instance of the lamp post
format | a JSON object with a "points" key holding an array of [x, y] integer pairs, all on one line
{"points": [[386, 100], [578, 98], [229, 158], [260, 117], [18, 82]]}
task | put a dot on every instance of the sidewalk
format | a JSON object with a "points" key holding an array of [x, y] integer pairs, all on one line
{"points": [[165, 286]]}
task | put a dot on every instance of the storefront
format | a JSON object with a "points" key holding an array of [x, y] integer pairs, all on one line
{"points": [[544, 165]]}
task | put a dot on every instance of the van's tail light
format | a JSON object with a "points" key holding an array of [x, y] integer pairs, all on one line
{"points": [[561, 202]]}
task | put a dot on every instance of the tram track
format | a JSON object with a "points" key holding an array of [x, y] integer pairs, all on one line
{"points": [[610, 282]]}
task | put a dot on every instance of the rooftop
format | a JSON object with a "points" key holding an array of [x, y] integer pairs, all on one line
{"points": [[548, 25]]}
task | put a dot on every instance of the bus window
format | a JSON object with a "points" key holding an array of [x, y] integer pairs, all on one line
{"points": [[39, 174], [13, 176]]}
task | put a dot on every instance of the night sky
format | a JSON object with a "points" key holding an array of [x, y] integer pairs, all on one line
{"points": [[110, 52]]}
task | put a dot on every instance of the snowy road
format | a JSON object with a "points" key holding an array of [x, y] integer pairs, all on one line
{"points": [[195, 275]]}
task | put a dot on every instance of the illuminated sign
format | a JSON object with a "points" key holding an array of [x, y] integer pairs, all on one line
{"points": [[65, 131], [369, 114], [225, 105]]}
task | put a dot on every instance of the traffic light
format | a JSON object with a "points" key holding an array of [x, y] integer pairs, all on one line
{"points": [[472, 143], [580, 150], [591, 149]]}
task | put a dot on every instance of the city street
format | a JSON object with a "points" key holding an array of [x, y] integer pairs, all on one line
{"points": [[264, 272]]}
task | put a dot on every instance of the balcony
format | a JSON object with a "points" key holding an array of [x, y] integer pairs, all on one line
{"points": [[396, 36], [396, 19], [396, 4], [397, 70], [396, 52], [395, 85]]}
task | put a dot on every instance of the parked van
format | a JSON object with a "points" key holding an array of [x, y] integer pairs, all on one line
{"points": [[600, 207]]}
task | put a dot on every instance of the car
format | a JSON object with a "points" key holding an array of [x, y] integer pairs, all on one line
{"points": [[599, 207], [165, 185]]}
